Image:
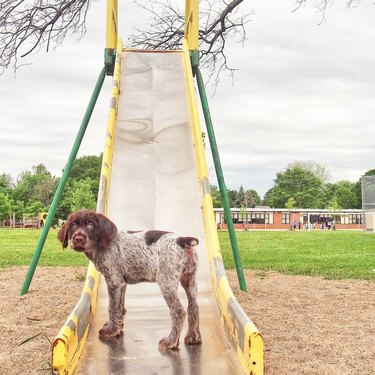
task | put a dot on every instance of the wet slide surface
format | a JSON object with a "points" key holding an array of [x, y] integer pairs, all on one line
{"points": [[154, 186]]}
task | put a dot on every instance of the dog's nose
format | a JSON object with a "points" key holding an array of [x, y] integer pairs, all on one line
{"points": [[79, 238]]}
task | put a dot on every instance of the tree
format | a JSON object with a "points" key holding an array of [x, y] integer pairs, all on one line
{"points": [[33, 208], [18, 208], [323, 5], [252, 198], [87, 168], [219, 22], [6, 183], [267, 198], [240, 200], [301, 184], [333, 205], [345, 194], [216, 197], [81, 196], [5, 206], [318, 170], [36, 185], [27, 26], [232, 195], [290, 204]]}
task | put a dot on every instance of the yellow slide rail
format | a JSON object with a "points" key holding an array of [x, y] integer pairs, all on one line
{"points": [[191, 24], [71, 339], [247, 340], [111, 36]]}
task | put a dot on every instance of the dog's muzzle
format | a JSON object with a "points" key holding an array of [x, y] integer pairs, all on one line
{"points": [[79, 241]]}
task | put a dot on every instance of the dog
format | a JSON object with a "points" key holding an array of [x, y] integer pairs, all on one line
{"points": [[131, 257]]}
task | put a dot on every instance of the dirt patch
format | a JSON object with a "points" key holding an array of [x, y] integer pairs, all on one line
{"points": [[43, 310], [310, 325]]}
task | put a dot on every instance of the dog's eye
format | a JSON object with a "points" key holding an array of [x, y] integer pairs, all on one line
{"points": [[90, 225]]}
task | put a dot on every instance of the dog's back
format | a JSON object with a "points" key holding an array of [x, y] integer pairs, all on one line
{"points": [[142, 256]]}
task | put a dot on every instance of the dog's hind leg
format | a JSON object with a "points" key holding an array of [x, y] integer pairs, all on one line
{"points": [[169, 286], [188, 282]]}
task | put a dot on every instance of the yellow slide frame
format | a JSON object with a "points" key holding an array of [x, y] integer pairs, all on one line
{"points": [[244, 335], [71, 339]]}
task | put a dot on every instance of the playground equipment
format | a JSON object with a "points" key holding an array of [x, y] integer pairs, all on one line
{"points": [[32, 222], [154, 176]]}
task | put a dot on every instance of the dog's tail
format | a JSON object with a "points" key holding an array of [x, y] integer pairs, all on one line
{"points": [[185, 242]]}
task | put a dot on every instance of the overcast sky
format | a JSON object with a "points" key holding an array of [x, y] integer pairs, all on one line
{"points": [[302, 91]]}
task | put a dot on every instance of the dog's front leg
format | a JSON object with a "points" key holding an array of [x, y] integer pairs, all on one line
{"points": [[116, 311]]}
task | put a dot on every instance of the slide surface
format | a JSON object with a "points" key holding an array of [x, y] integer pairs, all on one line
{"points": [[154, 185]]}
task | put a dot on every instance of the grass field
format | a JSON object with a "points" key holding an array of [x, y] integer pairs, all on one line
{"points": [[17, 248], [333, 255]]}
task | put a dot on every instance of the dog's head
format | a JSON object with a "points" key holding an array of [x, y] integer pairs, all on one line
{"points": [[87, 230]]}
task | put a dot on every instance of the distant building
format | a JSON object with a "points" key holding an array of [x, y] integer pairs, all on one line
{"points": [[283, 218]]}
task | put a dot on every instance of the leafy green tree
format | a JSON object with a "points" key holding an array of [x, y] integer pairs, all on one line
{"points": [[267, 198], [329, 193], [6, 183], [345, 194], [18, 208], [290, 203], [252, 198], [5, 206], [232, 195], [301, 184], [333, 205], [36, 185], [240, 200], [81, 195], [87, 168], [216, 197], [33, 208]]}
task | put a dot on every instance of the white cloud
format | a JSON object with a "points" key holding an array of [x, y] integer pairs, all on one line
{"points": [[302, 92]]}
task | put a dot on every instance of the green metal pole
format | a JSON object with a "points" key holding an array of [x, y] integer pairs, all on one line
{"points": [[64, 178], [220, 178]]}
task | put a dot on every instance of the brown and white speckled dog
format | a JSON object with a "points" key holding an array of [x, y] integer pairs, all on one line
{"points": [[132, 257]]}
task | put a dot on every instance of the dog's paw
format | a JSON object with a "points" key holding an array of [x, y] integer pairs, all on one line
{"points": [[193, 337], [168, 343], [108, 331]]}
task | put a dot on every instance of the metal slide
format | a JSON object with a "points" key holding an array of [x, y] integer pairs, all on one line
{"points": [[153, 184]]}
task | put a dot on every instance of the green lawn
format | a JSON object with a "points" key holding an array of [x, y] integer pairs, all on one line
{"points": [[333, 255], [17, 248]]}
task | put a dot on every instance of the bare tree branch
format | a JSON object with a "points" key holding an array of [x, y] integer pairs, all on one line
{"points": [[220, 22], [323, 5], [28, 25]]}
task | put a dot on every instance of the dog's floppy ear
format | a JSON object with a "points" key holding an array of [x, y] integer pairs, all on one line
{"points": [[63, 234], [107, 232]]}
